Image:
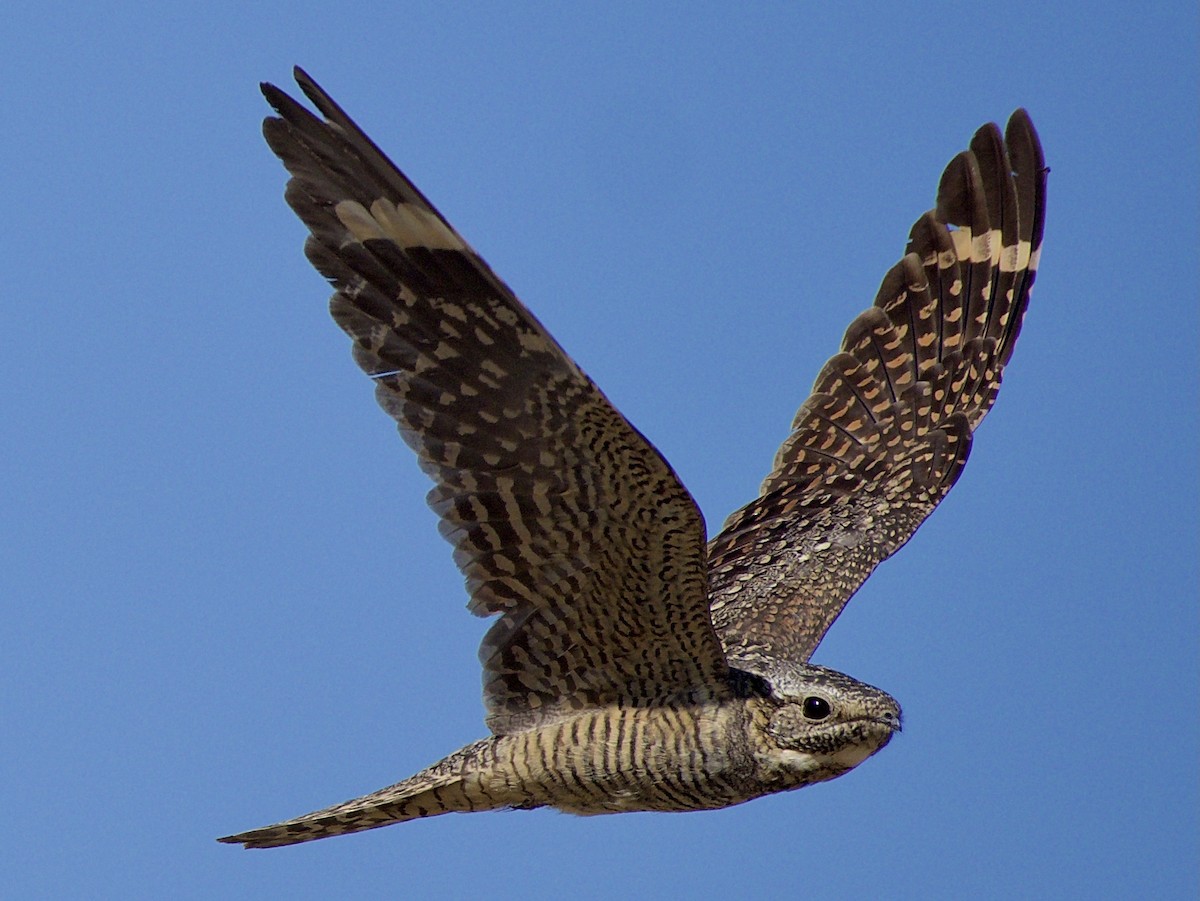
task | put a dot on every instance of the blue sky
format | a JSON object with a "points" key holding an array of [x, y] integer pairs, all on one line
{"points": [[225, 602]]}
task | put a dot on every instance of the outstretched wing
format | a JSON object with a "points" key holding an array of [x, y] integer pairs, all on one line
{"points": [[564, 519], [888, 426]]}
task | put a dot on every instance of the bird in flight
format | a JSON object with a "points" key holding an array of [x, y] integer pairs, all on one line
{"points": [[633, 664]]}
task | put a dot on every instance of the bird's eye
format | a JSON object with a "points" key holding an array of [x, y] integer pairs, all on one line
{"points": [[816, 708]]}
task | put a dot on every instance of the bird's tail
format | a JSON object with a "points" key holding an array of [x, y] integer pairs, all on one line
{"points": [[450, 786]]}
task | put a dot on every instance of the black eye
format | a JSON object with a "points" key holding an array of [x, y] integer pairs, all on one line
{"points": [[816, 708]]}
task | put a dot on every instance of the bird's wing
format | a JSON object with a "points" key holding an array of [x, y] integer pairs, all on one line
{"points": [[888, 426], [564, 520]]}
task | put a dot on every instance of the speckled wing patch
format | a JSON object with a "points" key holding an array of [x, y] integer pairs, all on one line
{"points": [[564, 519], [888, 426]]}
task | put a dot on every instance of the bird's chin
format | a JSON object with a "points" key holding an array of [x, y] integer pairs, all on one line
{"points": [[886, 732], [873, 738], [850, 757], [812, 766]]}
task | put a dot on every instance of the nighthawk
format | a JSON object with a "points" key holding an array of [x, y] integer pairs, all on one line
{"points": [[632, 664]]}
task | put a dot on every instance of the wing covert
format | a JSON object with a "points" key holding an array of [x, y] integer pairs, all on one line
{"points": [[564, 520], [887, 428]]}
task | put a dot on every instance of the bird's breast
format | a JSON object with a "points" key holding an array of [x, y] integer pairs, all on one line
{"points": [[614, 759]]}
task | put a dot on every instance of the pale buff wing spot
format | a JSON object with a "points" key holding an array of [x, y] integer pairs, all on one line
{"points": [[412, 226], [962, 243], [996, 248], [358, 221]]}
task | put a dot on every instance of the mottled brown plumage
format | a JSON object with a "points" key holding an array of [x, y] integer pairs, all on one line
{"points": [[629, 667], [887, 429]]}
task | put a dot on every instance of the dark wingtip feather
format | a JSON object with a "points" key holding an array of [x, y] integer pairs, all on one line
{"points": [[275, 97], [286, 106], [290, 108], [1029, 164], [278, 99], [322, 101], [1020, 130], [959, 191]]}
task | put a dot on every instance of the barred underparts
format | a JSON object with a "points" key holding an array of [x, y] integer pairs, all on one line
{"points": [[630, 665]]}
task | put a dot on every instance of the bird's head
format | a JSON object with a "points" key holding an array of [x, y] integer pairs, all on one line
{"points": [[817, 723]]}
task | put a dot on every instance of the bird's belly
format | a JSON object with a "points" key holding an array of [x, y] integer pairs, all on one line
{"points": [[620, 760]]}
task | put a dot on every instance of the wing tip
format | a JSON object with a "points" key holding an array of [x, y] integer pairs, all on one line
{"points": [[275, 96], [320, 99], [284, 104]]}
